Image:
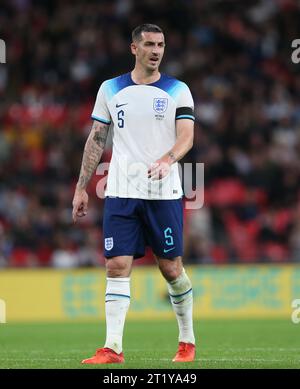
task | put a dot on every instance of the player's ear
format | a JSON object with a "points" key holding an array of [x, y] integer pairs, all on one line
{"points": [[133, 48]]}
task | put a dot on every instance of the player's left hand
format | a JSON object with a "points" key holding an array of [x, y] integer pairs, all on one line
{"points": [[158, 170]]}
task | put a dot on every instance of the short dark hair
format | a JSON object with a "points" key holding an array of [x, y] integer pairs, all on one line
{"points": [[147, 27]]}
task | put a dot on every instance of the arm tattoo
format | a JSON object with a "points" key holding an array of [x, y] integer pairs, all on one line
{"points": [[100, 138], [92, 153], [172, 156]]}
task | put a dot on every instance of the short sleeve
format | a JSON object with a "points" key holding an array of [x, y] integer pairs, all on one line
{"points": [[185, 104], [100, 111]]}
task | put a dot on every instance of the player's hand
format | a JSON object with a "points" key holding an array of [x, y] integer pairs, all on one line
{"points": [[80, 204], [158, 170]]}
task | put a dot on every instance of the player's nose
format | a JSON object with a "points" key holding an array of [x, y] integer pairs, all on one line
{"points": [[155, 50]]}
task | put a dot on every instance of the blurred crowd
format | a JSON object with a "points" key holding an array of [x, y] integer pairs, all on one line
{"points": [[236, 58]]}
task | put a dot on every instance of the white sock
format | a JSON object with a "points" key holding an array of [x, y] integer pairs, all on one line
{"points": [[181, 296], [117, 300]]}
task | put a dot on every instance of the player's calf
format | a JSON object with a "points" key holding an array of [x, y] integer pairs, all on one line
{"points": [[181, 296]]}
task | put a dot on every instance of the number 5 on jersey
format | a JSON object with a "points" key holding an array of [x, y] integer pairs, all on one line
{"points": [[121, 118]]}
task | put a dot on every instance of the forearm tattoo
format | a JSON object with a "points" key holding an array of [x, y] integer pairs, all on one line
{"points": [[172, 156], [92, 153]]}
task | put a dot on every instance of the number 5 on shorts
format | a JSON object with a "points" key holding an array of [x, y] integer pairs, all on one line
{"points": [[169, 238]]}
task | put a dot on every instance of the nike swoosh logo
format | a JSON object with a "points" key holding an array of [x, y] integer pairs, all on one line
{"points": [[166, 251], [120, 105], [174, 302]]}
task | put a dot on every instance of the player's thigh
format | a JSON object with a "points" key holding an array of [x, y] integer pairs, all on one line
{"points": [[164, 225], [119, 266], [122, 229]]}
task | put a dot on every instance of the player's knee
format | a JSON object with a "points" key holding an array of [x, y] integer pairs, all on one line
{"points": [[170, 269], [117, 267]]}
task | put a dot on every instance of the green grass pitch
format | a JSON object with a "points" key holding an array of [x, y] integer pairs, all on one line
{"points": [[152, 344]]}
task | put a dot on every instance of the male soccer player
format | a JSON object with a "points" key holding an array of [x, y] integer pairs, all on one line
{"points": [[152, 120]]}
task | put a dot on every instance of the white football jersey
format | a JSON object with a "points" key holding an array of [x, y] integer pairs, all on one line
{"points": [[142, 118]]}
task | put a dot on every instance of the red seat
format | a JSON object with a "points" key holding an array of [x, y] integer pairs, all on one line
{"points": [[219, 254], [243, 238], [226, 192], [275, 252], [22, 257]]}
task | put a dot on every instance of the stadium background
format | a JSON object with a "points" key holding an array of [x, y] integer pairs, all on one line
{"points": [[243, 246]]}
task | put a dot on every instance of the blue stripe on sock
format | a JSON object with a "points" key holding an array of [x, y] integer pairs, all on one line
{"points": [[116, 294], [182, 294]]}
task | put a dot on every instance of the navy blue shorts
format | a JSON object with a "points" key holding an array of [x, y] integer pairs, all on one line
{"points": [[129, 225]]}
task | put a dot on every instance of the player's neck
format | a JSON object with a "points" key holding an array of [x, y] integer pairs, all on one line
{"points": [[141, 76]]}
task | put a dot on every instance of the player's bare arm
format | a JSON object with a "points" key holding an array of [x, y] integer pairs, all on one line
{"points": [[92, 154], [184, 142]]}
